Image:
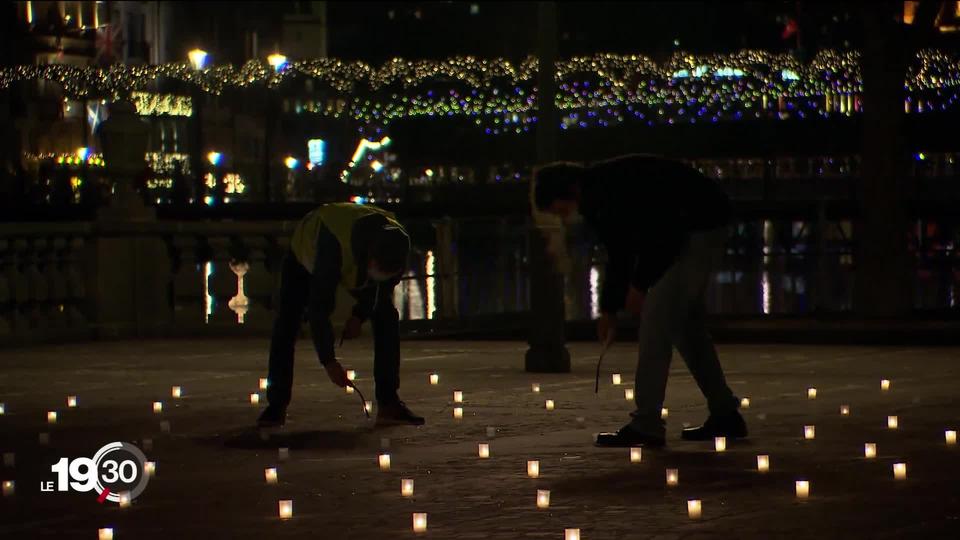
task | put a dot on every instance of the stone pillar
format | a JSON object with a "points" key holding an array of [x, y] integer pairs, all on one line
{"points": [[129, 275], [547, 352]]}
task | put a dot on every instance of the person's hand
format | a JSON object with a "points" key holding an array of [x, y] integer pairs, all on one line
{"points": [[606, 328], [351, 330], [635, 299], [337, 374]]}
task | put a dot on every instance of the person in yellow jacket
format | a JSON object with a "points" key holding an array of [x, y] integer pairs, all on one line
{"points": [[364, 249]]}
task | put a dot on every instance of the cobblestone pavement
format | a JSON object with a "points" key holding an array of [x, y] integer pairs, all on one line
{"points": [[209, 479]]}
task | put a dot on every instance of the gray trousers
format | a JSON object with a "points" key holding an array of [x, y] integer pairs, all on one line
{"points": [[674, 315]]}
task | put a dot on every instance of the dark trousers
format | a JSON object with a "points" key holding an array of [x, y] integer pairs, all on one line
{"points": [[295, 285]]}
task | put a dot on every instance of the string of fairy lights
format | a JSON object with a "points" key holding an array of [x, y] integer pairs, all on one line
{"points": [[500, 96]]}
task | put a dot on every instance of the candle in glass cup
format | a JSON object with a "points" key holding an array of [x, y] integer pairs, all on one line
{"points": [[420, 522], [720, 444], [550, 405], [270, 475], [368, 406], [809, 432], [124, 499], [458, 413], [254, 399], [384, 460], [636, 455], [745, 403], [664, 412], [105, 534], [8, 488], [263, 383], [893, 422], [483, 449], [158, 407], [763, 463], [51, 417], [628, 394], [71, 401], [351, 375], [844, 410], [543, 498], [811, 393], [150, 468], [616, 378], [870, 450], [458, 396], [176, 392], [885, 385], [348, 389], [434, 379], [286, 509], [533, 469], [406, 487], [900, 471], [950, 436], [535, 387], [694, 508], [571, 534], [673, 477], [803, 489], [3, 409]]}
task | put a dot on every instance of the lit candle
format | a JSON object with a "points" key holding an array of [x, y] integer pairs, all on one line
{"points": [[351, 375], [406, 487], [893, 422], [434, 379], [549, 405], [900, 471], [811, 393], [165, 426], [458, 396], [368, 406], [533, 469], [44, 439], [491, 432], [720, 444], [270, 475], [543, 498], [148, 445], [870, 450], [636, 455], [283, 454], [254, 398], [458, 413], [176, 392], [844, 410], [150, 468], [348, 389], [286, 509], [51, 417], [3, 409], [71, 401], [571, 534], [885, 385], [9, 459], [664, 412], [8, 488], [628, 394], [420, 522], [158, 407], [745, 403], [124, 499], [105, 534], [763, 463], [483, 450], [803, 489], [384, 460], [694, 508], [673, 477], [535, 387], [616, 378], [950, 436], [809, 432], [263, 383]]}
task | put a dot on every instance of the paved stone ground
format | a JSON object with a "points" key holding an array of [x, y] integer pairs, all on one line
{"points": [[210, 484]]}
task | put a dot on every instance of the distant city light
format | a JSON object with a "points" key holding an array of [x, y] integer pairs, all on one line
{"points": [[214, 158], [83, 152], [376, 166], [291, 162], [198, 58], [357, 199], [277, 60]]}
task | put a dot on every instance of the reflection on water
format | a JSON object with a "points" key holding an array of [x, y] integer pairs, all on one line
{"points": [[594, 292], [431, 286], [765, 285], [208, 298]]}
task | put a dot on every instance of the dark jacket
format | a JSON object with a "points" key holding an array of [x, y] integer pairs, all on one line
{"points": [[643, 209], [371, 296]]}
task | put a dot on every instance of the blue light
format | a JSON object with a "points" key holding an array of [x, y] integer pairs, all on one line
{"points": [[317, 151]]}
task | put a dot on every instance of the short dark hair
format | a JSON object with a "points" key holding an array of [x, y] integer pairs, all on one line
{"points": [[390, 249], [555, 181]]}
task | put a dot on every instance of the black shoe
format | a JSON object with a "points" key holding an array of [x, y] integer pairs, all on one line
{"points": [[272, 417], [730, 426], [397, 414], [627, 437]]}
